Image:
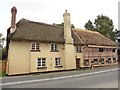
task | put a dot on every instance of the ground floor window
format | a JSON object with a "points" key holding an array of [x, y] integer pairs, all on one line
{"points": [[58, 61], [41, 62], [102, 60], [95, 61], [86, 62], [109, 60], [114, 60]]}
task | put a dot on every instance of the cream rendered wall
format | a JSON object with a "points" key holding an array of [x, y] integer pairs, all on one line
{"points": [[70, 60], [80, 55], [50, 58], [18, 57]]}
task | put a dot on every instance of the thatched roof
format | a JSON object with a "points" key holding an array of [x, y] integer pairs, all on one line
{"points": [[93, 38], [36, 31]]}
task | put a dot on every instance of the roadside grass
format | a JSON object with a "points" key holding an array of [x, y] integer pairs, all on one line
{"points": [[2, 74]]}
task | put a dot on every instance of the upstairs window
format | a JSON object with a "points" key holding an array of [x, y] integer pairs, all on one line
{"points": [[35, 47], [101, 49], [78, 49], [54, 47], [113, 50]]}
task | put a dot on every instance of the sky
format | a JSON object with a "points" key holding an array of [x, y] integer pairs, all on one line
{"points": [[51, 11]]}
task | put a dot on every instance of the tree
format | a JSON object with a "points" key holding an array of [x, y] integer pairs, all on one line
{"points": [[62, 25], [103, 25], [2, 50], [89, 25]]}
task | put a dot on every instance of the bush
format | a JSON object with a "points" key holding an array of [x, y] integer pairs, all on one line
{"points": [[2, 74]]}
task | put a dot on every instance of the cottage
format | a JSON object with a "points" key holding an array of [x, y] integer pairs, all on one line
{"points": [[40, 47]]}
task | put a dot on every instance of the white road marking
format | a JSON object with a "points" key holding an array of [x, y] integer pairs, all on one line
{"points": [[56, 78]]}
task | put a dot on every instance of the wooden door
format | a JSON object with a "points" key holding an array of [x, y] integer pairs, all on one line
{"points": [[77, 63]]}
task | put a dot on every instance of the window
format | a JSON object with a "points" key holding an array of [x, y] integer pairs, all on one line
{"points": [[101, 50], [95, 61], [109, 60], [58, 62], [41, 62], [113, 50], [78, 49], [86, 62], [54, 47], [114, 60], [102, 60], [35, 47]]}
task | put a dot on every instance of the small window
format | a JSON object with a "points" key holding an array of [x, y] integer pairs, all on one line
{"points": [[95, 61], [58, 62], [113, 50], [41, 62], [78, 49], [35, 47], [102, 60], [109, 60], [54, 47], [86, 62], [114, 60], [101, 49]]}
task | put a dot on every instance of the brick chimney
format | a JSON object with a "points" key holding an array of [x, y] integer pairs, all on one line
{"points": [[13, 19]]}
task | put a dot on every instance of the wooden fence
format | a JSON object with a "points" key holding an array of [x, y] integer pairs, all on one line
{"points": [[2, 66]]}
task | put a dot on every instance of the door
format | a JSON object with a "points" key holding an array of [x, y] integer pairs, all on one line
{"points": [[77, 63]]}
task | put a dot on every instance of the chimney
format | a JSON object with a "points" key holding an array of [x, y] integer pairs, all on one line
{"points": [[67, 27], [13, 19]]}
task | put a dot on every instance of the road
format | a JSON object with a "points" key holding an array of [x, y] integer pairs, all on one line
{"points": [[98, 78]]}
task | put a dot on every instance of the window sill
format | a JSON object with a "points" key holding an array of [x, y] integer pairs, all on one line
{"points": [[79, 52], [41, 67], [35, 50], [54, 51], [58, 66]]}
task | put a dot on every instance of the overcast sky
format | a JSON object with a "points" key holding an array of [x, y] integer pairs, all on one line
{"points": [[51, 11]]}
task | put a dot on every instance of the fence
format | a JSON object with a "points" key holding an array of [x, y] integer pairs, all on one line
{"points": [[2, 66]]}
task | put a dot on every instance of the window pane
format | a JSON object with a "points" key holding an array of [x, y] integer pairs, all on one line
{"points": [[41, 62], [95, 61]]}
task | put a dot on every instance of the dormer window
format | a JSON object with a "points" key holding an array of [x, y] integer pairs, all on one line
{"points": [[54, 47], [35, 46], [101, 49], [78, 49]]}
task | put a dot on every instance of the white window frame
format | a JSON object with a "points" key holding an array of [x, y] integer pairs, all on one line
{"points": [[58, 61], [78, 49], [95, 62], [102, 61], [53, 47], [40, 60], [109, 60], [36, 46], [86, 62]]}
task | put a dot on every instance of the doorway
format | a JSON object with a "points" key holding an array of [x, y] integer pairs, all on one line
{"points": [[77, 63]]}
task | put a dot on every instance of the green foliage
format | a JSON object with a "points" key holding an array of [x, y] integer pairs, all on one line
{"points": [[2, 74], [103, 25], [3, 53], [62, 25], [89, 25]]}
